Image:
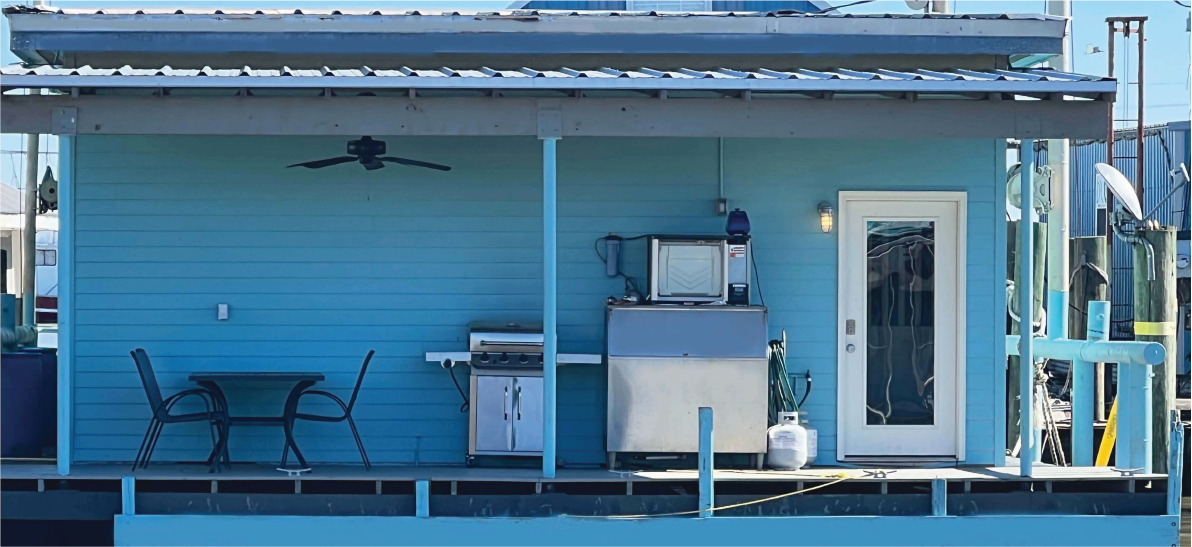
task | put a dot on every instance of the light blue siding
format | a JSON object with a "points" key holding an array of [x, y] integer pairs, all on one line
{"points": [[318, 267]]}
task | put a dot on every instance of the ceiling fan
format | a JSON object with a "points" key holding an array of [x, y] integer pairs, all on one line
{"points": [[370, 154]]}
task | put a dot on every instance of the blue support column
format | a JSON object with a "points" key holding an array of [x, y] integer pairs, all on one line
{"points": [[66, 252], [1082, 387], [706, 455], [939, 497], [1134, 418], [550, 346], [128, 495], [1175, 466], [1026, 312], [422, 498]]}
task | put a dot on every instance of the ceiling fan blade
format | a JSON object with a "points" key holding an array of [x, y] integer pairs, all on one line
{"points": [[415, 163], [318, 164]]}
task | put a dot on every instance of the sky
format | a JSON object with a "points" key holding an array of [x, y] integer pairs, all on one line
{"points": [[1168, 85]]}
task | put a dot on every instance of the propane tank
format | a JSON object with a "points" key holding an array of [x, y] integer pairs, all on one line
{"points": [[786, 443], [812, 437]]}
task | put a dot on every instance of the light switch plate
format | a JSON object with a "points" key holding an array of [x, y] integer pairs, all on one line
{"points": [[221, 312]]}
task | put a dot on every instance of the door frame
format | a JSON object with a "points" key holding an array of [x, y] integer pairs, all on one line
{"points": [[961, 360]]}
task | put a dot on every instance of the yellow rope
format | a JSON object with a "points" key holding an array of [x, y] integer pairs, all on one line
{"points": [[841, 478]]}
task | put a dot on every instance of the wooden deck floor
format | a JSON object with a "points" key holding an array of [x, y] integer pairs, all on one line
{"points": [[245, 471]]}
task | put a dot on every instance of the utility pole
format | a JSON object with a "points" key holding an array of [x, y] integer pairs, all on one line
{"points": [[29, 251], [1155, 312]]}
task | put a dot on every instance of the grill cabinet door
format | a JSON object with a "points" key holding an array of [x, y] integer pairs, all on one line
{"points": [[527, 414], [494, 418]]}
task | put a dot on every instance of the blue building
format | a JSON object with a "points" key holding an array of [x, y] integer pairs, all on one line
{"points": [[868, 152]]}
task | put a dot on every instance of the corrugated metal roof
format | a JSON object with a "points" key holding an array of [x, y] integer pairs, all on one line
{"points": [[761, 79], [510, 13]]}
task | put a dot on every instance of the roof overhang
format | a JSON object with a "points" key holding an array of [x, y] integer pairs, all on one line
{"points": [[758, 83], [70, 36]]}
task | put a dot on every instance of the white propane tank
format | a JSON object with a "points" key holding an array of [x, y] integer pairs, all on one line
{"points": [[786, 443], [812, 438]]}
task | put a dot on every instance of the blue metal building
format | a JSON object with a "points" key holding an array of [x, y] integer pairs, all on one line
{"points": [[1166, 147], [876, 195]]}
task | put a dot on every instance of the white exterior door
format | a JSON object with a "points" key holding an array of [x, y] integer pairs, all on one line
{"points": [[901, 333]]}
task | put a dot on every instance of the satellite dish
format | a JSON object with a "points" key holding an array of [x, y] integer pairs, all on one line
{"points": [[1041, 193], [916, 4], [1121, 188]]}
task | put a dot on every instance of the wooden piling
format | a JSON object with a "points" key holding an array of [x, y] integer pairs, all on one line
{"points": [[1154, 321], [1088, 256], [1013, 391]]}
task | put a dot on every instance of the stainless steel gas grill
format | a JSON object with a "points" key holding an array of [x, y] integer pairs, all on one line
{"points": [[505, 345], [505, 389]]}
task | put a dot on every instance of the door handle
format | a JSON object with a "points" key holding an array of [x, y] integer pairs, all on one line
{"points": [[505, 404], [517, 401]]}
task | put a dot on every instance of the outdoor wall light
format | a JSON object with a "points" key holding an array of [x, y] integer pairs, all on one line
{"points": [[825, 214]]}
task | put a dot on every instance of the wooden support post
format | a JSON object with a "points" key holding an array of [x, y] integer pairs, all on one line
{"points": [[939, 497], [128, 495], [706, 455], [1155, 311], [1088, 256], [422, 498], [1013, 385]]}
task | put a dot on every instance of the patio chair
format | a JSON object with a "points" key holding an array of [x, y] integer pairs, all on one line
{"points": [[215, 415], [346, 416]]}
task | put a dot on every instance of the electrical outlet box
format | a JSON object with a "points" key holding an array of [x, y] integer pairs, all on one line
{"points": [[221, 312]]}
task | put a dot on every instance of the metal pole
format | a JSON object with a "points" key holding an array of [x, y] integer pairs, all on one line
{"points": [[550, 341], [1057, 217], [1108, 194], [706, 455], [29, 236], [1140, 159], [1026, 309]]}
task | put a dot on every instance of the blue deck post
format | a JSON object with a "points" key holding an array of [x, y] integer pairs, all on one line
{"points": [[1134, 418], [550, 341], [939, 497], [1026, 312], [1175, 466], [1082, 387], [706, 454], [422, 498], [128, 495], [66, 156]]}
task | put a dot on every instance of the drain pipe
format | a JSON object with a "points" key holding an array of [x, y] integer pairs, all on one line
{"points": [[1057, 217]]}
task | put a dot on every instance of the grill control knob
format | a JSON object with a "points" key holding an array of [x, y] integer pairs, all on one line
{"points": [[524, 359], [484, 357], [504, 357]]}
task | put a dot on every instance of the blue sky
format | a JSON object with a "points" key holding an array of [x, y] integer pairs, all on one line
{"points": [[1167, 59]]}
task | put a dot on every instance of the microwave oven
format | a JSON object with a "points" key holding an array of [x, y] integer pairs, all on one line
{"points": [[699, 269]]}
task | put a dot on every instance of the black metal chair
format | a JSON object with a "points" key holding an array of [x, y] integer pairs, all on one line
{"points": [[346, 416], [216, 415]]}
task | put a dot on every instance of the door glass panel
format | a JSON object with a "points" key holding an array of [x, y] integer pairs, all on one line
{"points": [[900, 322]]}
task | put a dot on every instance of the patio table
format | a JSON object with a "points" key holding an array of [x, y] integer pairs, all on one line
{"points": [[301, 380]]}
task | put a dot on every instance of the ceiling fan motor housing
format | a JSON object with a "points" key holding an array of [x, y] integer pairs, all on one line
{"points": [[366, 147]]}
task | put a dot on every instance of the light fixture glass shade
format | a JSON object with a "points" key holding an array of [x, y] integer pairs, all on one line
{"points": [[825, 213]]}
